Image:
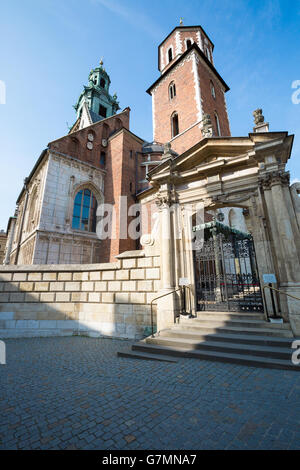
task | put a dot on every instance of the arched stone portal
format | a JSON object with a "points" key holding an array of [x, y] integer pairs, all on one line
{"points": [[247, 173]]}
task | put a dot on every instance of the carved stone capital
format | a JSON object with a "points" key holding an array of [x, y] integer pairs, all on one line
{"points": [[273, 178]]}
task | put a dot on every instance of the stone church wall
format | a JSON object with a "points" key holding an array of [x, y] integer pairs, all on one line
{"points": [[111, 299]]}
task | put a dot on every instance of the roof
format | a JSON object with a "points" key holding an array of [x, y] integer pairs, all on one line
{"points": [[95, 117], [176, 62]]}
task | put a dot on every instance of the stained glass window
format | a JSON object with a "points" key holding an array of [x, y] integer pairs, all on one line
{"points": [[84, 212]]}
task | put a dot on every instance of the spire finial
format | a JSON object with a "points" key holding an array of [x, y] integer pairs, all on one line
{"points": [[101, 61], [181, 20]]}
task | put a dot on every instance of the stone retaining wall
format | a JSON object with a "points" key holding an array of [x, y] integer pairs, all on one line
{"points": [[111, 299]]}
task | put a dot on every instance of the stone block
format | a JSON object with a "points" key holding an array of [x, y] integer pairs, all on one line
{"points": [[72, 286], [137, 274], [101, 286], [114, 286], [57, 286], [49, 276], [7, 315], [94, 297], [64, 277], [41, 286], [34, 276], [32, 297], [129, 263], [156, 261], [122, 274], [47, 297], [16, 297], [5, 277], [81, 276], [146, 286], [107, 297], [137, 297], [95, 276], [128, 286], [11, 287], [79, 296], [4, 297], [121, 297], [108, 275], [62, 297], [153, 273], [19, 276], [47, 324], [26, 286], [87, 286], [145, 262]]}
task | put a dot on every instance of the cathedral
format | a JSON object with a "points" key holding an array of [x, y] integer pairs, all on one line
{"points": [[101, 161], [199, 230]]}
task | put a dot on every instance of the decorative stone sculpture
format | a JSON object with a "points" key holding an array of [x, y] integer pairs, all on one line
{"points": [[258, 117], [207, 129]]}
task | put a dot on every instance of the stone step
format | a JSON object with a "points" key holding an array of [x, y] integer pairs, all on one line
{"points": [[249, 360], [209, 329], [146, 356], [230, 315], [214, 323], [245, 349], [272, 341]]}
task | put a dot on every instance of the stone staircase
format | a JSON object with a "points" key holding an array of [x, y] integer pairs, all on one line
{"points": [[236, 337]]}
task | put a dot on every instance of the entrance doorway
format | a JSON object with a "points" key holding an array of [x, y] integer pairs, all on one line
{"points": [[226, 274]]}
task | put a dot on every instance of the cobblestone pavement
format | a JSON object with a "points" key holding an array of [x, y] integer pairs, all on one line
{"points": [[75, 393]]}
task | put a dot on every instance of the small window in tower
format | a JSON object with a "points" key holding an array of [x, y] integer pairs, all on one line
{"points": [[102, 158], [131, 153], [217, 124], [170, 54], [95, 80], [102, 111], [213, 91], [207, 53], [130, 187], [188, 43], [172, 90], [102, 83], [174, 125]]}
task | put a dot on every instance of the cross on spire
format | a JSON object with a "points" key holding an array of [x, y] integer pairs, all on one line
{"points": [[181, 20]]}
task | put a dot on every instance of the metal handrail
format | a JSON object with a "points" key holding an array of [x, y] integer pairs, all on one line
{"points": [[280, 292], [156, 298]]}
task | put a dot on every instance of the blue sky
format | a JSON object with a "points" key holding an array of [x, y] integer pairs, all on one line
{"points": [[49, 46]]}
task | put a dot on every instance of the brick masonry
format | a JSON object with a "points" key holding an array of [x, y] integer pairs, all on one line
{"points": [[110, 299]]}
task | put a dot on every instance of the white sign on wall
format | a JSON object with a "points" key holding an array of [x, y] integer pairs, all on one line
{"points": [[184, 281], [269, 278]]}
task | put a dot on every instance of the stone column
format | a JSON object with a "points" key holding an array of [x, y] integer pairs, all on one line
{"points": [[285, 235], [166, 306]]}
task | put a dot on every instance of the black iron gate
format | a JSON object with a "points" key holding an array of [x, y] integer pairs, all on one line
{"points": [[226, 274]]}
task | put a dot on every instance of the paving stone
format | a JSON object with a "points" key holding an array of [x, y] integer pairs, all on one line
{"points": [[75, 393]]}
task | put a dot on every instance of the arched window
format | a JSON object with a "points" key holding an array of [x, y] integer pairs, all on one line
{"points": [[170, 54], [218, 129], [174, 124], [172, 90], [212, 89], [105, 131], [102, 83], [188, 43], [74, 146], [118, 124], [102, 158], [84, 212], [207, 52]]}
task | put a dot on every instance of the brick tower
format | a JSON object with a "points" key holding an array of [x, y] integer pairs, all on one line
{"points": [[188, 89]]}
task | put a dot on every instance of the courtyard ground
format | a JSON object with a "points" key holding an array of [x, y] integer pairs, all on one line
{"points": [[75, 393]]}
